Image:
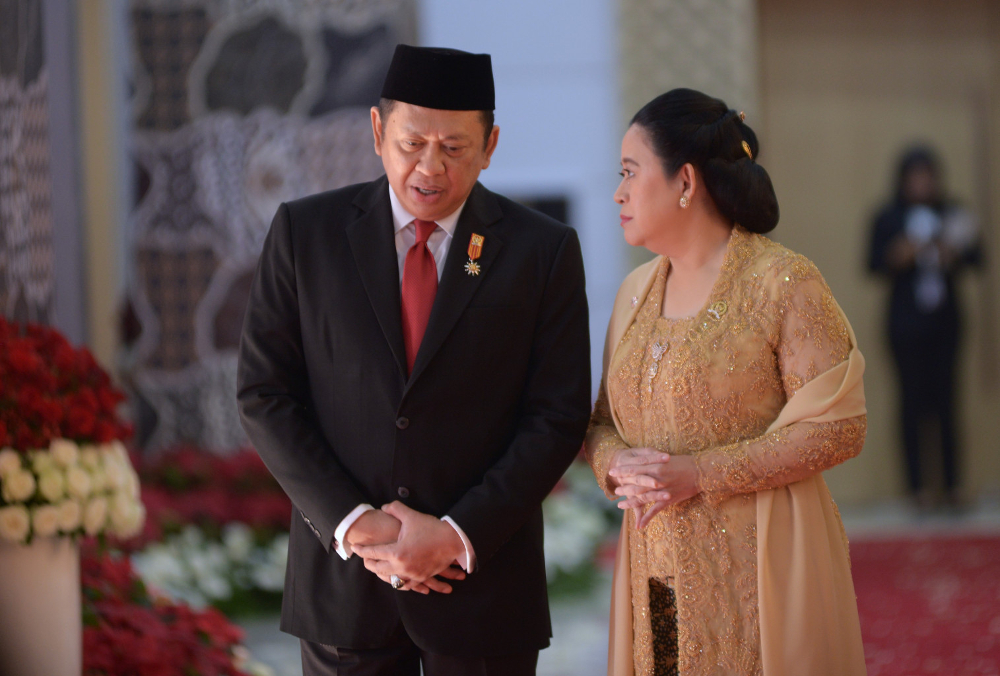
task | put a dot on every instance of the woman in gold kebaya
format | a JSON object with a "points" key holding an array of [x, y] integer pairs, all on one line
{"points": [[731, 381]]}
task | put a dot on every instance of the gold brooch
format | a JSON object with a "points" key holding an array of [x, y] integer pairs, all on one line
{"points": [[717, 309], [475, 251]]}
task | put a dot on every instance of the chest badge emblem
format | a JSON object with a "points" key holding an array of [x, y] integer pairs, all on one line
{"points": [[472, 268]]}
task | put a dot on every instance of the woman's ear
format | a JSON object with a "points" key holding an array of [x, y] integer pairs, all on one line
{"points": [[687, 177]]}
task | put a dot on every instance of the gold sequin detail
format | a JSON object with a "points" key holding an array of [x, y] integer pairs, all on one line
{"points": [[769, 326]]}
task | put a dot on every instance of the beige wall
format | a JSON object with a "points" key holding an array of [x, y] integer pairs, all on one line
{"points": [[845, 85]]}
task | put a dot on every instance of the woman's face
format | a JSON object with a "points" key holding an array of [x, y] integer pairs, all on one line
{"points": [[920, 185], [649, 199]]}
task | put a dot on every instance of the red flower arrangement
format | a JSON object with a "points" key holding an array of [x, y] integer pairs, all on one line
{"points": [[51, 390], [129, 633], [190, 486], [63, 468]]}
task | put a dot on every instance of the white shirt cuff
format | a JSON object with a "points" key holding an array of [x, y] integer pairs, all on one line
{"points": [[468, 560], [339, 536]]}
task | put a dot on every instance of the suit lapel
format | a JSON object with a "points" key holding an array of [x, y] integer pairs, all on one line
{"points": [[374, 247], [457, 286]]}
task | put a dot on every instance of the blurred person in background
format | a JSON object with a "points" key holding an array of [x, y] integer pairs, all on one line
{"points": [[920, 241], [731, 381]]}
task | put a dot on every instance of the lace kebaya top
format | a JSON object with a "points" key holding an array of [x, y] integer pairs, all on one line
{"points": [[710, 386]]}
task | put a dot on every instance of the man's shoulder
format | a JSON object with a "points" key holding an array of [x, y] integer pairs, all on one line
{"points": [[323, 203], [527, 223]]}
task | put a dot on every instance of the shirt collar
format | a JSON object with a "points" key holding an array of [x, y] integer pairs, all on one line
{"points": [[402, 218]]}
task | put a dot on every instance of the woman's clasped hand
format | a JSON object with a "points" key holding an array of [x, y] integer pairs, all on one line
{"points": [[646, 476]]}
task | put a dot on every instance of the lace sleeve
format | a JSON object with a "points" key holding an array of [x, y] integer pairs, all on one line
{"points": [[602, 442], [812, 338], [780, 458]]}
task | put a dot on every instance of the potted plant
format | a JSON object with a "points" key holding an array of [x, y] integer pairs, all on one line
{"points": [[64, 472]]}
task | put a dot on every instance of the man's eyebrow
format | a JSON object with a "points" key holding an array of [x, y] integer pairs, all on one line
{"points": [[450, 137]]}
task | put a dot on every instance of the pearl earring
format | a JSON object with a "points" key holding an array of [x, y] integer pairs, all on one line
{"points": [[684, 202]]}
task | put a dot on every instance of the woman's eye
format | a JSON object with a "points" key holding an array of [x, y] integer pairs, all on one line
{"points": [[625, 173]]}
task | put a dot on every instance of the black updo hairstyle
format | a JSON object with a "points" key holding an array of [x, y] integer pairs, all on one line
{"points": [[684, 126]]}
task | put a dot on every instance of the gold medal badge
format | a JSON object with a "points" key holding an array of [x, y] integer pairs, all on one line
{"points": [[475, 251]]}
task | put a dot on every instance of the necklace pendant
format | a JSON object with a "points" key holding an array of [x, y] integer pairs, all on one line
{"points": [[659, 349]]}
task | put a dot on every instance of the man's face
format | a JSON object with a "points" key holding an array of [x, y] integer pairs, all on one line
{"points": [[432, 157]]}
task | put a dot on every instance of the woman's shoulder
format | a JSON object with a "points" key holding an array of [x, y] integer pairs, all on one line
{"points": [[642, 272], [780, 266], [639, 277]]}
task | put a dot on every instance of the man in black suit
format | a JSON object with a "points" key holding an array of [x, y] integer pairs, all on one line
{"points": [[418, 344]]}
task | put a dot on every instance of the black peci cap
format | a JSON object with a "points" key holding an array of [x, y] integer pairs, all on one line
{"points": [[446, 79]]}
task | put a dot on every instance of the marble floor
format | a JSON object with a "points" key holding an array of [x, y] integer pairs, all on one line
{"points": [[579, 647]]}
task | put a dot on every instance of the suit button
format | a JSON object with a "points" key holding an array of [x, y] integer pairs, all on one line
{"points": [[403, 492], [402, 423]]}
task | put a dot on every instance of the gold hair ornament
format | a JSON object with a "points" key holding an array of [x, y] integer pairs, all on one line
{"points": [[746, 149]]}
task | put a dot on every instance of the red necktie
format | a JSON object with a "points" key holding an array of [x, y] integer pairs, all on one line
{"points": [[420, 283]]}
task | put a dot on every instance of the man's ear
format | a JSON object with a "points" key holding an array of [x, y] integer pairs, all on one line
{"points": [[491, 145], [377, 130]]}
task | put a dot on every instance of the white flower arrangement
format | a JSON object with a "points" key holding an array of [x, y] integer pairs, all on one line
{"points": [[577, 520], [69, 490], [573, 530], [200, 571]]}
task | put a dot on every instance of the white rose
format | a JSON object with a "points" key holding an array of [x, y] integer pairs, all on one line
{"points": [[95, 516], [18, 486], [138, 519], [45, 520], [42, 461], [118, 448], [52, 485], [90, 456], [127, 517], [15, 523], [120, 512], [69, 515], [64, 452], [114, 474], [131, 487], [10, 460], [78, 482], [98, 481]]}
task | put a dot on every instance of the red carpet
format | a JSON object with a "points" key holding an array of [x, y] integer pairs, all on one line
{"points": [[929, 605]]}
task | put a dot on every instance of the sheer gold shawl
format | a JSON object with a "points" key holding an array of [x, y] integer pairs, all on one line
{"points": [[808, 611]]}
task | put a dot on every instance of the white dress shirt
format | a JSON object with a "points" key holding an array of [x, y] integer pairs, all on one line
{"points": [[438, 243]]}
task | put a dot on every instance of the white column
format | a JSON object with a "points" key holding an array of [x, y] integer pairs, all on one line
{"points": [[557, 107]]}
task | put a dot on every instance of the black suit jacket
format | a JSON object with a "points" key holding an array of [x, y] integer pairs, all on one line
{"points": [[493, 413]]}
